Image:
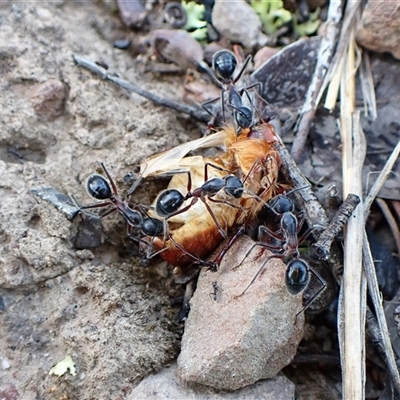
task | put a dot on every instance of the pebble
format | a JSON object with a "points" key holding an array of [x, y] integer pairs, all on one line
{"points": [[230, 342], [165, 385], [133, 13], [380, 27], [122, 44], [238, 22], [48, 99], [178, 47]]}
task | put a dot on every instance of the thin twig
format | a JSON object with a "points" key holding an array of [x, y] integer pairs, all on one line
{"points": [[391, 221], [195, 112], [374, 292], [322, 247], [381, 179], [324, 56], [314, 213]]}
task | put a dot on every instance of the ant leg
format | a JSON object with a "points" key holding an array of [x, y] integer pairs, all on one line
{"points": [[221, 230], [261, 244], [114, 187], [217, 167], [264, 231], [214, 265], [226, 202], [134, 185], [316, 294], [98, 205], [80, 208], [307, 233], [203, 105], [257, 274], [223, 103], [244, 66], [197, 260], [177, 172], [182, 210]]}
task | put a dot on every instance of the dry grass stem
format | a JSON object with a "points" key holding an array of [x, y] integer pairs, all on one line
{"points": [[351, 317], [367, 86], [353, 335], [316, 87], [334, 74], [374, 292], [381, 179], [390, 220]]}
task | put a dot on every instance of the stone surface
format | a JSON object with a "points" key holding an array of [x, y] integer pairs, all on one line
{"points": [[166, 385], [380, 27], [232, 342], [229, 16]]}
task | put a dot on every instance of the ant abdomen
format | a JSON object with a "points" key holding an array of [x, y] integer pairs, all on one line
{"points": [[297, 276], [98, 187], [169, 202], [224, 63]]}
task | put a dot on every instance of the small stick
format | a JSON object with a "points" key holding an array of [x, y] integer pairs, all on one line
{"points": [[381, 179], [324, 56], [374, 292], [314, 213], [194, 112], [322, 247], [390, 219]]}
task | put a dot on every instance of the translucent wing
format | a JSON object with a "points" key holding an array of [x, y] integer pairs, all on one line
{"points": [[171, 159]]}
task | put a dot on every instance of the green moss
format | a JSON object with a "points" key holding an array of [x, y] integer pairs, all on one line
{"points": [[195, 23], [272, 14]]}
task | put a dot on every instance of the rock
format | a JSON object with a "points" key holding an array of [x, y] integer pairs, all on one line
{"points": [[238, 22], [48, 99], [165, 385], [380, 27], [133, 13], [233, 342], [178, 47]]}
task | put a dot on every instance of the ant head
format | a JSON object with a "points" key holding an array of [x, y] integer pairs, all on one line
{"points": [[168, 202], [98, 187], [234, 186], [153, 227], [224, 63], [243, 116], [281, 204], [297, 276]]}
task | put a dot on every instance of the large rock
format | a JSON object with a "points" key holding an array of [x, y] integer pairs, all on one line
{"points": [[380, 27], [232, 342], [238, 22], [165, 385]]}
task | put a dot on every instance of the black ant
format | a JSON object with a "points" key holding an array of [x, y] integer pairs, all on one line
{"points": [[224, 64], [297, 275], [169, 202], [101, 189]]}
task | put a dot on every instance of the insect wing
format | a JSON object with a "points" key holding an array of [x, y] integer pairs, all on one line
{"points": [[170, 159]]}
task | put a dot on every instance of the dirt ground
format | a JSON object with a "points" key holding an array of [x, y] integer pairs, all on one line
{"points": [[114, 318]]}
